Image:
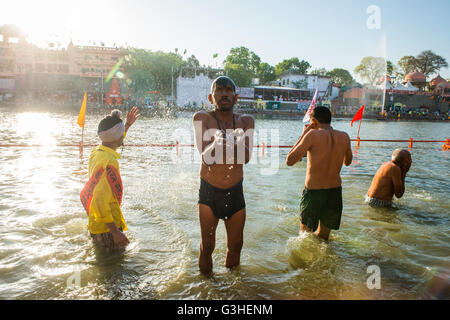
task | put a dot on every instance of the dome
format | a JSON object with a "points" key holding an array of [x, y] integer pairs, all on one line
{"points": [[437, 80], [416, 76]]}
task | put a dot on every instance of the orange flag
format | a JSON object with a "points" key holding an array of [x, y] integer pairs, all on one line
{"points": [[358, 115], [82, 115]]}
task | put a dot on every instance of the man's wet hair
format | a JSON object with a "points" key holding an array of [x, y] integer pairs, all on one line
{"points": [[321, 114], [223, 81]]}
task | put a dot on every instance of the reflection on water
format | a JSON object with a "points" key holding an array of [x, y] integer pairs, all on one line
{"points": [[44, 240]]}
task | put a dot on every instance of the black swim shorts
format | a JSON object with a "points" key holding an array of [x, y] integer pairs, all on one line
{"points": [[223, 202], [321, 205]]}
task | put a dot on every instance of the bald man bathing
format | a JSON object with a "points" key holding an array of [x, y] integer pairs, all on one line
{"points": [[389, 180]]}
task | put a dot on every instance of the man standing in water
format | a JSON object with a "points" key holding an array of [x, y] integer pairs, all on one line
{"points": [[327, 150], [224, 140], [389, 180]]}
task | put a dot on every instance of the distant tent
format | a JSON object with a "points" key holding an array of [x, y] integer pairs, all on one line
{"points": [[385, 85], [400, 87], [410, 87]]}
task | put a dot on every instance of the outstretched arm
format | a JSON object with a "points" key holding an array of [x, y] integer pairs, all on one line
{"points": [[132, 116]]}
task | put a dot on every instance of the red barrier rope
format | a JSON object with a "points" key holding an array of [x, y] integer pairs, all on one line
{"points": [[191, 145]]}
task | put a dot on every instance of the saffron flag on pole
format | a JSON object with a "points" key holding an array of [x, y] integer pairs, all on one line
{"points": [[358, 115], [311, 107], [82, 115]]}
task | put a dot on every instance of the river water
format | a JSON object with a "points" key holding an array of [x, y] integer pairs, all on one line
{"points": [[46, 253]]}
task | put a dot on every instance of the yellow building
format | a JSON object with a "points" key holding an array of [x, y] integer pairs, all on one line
{"points": [[25, 68]]}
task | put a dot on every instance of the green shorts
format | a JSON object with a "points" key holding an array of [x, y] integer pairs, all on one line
{"points": [[321, 205]]}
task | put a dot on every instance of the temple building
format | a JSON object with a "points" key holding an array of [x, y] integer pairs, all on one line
{"points": [[29, 72], [417, 79], [436, 81]]}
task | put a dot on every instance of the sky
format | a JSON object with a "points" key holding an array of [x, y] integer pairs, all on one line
{"points": [[328, 34]]}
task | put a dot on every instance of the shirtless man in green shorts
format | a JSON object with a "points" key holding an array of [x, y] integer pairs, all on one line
{"points": [[389, 180], [327, 150], [224, 140]]}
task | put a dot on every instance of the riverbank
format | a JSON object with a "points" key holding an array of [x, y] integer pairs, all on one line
{"points": [[368, 115], [155, 111]]}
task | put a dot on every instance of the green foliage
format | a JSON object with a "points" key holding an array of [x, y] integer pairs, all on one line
{"points": [[389, 68], [244, 58], [294, 65], [426, 62], [158, 64], [240, 76], [319, 72], [142, 81], [407, 64], [371, 69], [429, 63], [340, 76], [300, 84], [242, 65], [266, 73]]}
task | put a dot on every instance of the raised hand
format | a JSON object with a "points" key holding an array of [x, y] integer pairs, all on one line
{"points": [[132, 116]]}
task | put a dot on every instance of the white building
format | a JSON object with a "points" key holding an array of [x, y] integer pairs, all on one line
{"points": [[193, 91], [306, 81]]}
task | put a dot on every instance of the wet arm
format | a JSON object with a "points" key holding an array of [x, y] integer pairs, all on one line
{"points": [[249, 130], [348, 154], [398, 180], [299, 150], [204, 146]]}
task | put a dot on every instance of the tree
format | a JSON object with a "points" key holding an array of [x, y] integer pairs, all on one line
{"points": [[429, 63], [190, 67], [300, 84], [266, 73], [319, 72], [141, 82], [340, 76], [371, 69], [245, 58], [192, 62], [159, 64], [242, 65], [407, 64], [241, 77], [294, 65], [390, 67]]}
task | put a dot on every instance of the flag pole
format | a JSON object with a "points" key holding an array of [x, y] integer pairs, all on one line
{"points": [[81, 121], [360, 121], [82, 142]]}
